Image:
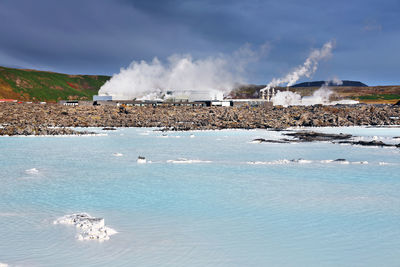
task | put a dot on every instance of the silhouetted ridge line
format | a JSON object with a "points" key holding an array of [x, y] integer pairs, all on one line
{"points": [[320, 83]]}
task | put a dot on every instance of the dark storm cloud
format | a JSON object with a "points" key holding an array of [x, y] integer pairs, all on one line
{"points": [[100, 36]]}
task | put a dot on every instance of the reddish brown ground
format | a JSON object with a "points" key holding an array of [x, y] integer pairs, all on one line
{"points": [[6, 92]]}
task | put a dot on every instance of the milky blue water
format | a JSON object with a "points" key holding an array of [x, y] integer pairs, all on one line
{"points": [[225, 211]]}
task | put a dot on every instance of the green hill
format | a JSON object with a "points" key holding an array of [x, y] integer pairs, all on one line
{"points": [[32, 85]]}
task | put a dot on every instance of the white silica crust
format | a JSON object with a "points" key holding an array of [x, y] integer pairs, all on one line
{"points": [[187, 161], [32, 171], [89, 228], [306, 161], [141, 160]]}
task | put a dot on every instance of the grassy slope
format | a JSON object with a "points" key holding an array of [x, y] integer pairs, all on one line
{"points": [[47, 86]]}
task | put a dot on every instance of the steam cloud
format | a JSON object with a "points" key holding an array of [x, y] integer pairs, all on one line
{"points": [[308, 68], [321, 96], [182, 74]]}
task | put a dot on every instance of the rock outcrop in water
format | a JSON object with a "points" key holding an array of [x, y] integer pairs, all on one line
{"points": [[35, 119], [307, 136], [89, 228], [369, 143], [310, 136]]}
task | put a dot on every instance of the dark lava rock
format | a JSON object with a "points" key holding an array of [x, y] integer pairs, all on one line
{"points": [[109, 129], [184, 118], [262, 140], [369, 143], [315, 136]]}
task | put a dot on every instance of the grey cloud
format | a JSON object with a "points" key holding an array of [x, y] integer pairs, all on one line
{"points": [[100, 36]]}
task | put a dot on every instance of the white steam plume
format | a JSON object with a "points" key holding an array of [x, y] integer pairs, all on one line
{"points": [[308, 68], [321, 96], [181, 74], [336, 81], [149, 80]]}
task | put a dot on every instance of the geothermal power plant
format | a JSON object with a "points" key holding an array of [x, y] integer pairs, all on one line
{"points": [[187, 82], [171, 98]]}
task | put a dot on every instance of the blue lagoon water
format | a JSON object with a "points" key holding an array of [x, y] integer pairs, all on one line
{"points": [[229, 203]]}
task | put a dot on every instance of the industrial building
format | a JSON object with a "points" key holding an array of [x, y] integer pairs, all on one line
{"points": [[194, 99]]}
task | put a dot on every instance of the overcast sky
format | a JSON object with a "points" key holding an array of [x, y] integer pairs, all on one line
{"points": [[100, 36]]}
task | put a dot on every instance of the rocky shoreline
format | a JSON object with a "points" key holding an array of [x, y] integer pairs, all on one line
{"points": [[36, 119], [311, 136]]}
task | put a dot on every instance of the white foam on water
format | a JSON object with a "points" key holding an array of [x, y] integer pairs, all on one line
{"points": [[306, 161], [340, 161], [142, 160], [187, 161], [192, 136], [360, 162], [327, 161], [118, 154], [145, 133], [3, 264], [386, 147], [170, 136], [274, 162], [383, 163], [32, 171], [302, 161], [257, 162], [89, 228]]}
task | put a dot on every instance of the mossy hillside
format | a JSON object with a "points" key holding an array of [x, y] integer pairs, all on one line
{"points": [[48, 86], [379, 97]]}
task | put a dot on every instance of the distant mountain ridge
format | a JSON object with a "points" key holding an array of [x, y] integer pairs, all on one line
{"points": [[330, 83], [33, 85]]}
